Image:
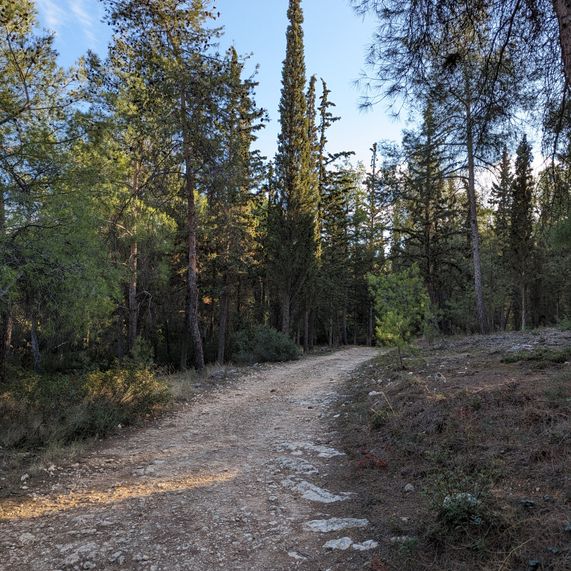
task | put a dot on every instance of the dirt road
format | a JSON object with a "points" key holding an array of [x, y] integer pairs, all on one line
{"points": [[231, 482]]}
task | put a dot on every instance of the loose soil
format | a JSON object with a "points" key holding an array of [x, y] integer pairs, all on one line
{"points": [[228, 482]]}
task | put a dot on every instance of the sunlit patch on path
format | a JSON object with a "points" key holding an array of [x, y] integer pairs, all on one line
{"points": [[41, 506]]}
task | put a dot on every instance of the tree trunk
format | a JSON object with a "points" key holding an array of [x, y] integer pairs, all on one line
{"points": [[6, 324], [36, 356], [523, 307], [191, 309], [474, 231], [133, 306], [223, 322], [285, 302], [133, 269], [563, 12], [306, 331], [370, 326]]}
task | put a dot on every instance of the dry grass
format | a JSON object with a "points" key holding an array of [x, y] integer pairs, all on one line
{"points": [[469, 418]]}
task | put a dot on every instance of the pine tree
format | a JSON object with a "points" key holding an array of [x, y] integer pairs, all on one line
{"points": [[293, 217], [521, 228], [502, 200]]}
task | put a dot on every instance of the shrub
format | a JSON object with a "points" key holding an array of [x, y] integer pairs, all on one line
{"points": [[42, 410], [263, 344]]}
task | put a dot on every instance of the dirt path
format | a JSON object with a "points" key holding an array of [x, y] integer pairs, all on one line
{"points": [[229, 483]]}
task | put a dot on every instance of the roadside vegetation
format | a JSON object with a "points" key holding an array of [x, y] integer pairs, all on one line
{"points": [[472, 449]]}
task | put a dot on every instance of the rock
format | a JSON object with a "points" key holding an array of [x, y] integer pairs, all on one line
{"points": [[533, 564], [117, 557], [401, 539], [27, 538], [342, 544], [297, 555], [321, 451], [409, 488], [375, 394], [567, 527], [527, 504], [334, 524], [298, 465], [314, 493], [365, 546], [89, 565], [25, 478]]}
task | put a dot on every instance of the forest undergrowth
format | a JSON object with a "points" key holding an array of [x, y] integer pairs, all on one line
{"points": [[462, 458]]}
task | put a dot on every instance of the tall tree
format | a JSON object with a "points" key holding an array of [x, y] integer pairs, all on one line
{"points": [[502, 200], [521, 227], [171, 41], [294, 212]]}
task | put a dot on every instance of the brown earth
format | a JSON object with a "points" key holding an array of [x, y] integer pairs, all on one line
{"points": [[219, 484], [485, 419]]}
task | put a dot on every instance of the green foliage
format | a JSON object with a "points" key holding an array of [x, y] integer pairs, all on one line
{"points": [[540, 355], [262, 344], [39, 410], [402, 306]]}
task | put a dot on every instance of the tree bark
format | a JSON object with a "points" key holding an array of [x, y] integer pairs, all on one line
{"points": [[133, 306], [223, 322], [563, 12], [36, 356], [285, 302], [306, 331], [523, 307], [133, 269], [370, 326], [191, 309], [6, 324], [474, 231]]}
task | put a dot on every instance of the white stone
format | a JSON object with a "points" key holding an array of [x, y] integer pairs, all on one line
{"points": [[342, 544], [409, 488], [321, 451], [365, 546], [334, 524], [316, 494], [401, 539], [298, 465], [27, 538]]}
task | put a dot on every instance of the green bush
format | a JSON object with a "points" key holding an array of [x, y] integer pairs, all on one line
{"points": [[263, 344], [41, 410], [556, 356]]}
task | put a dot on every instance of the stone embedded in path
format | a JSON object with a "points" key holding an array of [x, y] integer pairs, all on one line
{"points": [[321, 451], [314, 493], [342, 544], [334, 524], [298, 465], [365, 546], [297, 555]]}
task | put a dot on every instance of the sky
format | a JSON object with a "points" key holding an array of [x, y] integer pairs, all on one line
{"points": [[335, 40]]}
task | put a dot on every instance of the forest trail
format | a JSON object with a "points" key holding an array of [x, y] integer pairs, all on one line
{"points": [[229, 482]]}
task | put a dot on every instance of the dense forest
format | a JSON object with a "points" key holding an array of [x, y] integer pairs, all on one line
{"points": [[137, 220]]}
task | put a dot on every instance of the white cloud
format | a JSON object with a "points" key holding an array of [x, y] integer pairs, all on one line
{"points": [[85, 19], [52, 13]]}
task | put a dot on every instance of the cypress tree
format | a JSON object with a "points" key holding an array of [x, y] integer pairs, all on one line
{"points": [[294, 213], [521, 227], [502, 199]]}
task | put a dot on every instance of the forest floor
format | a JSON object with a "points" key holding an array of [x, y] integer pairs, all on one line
{"points": [[462, 461], [233, 480]]}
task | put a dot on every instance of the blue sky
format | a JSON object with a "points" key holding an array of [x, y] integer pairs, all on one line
{"points": [[335, 42]]}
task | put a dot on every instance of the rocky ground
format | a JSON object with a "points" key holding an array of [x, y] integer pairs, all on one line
{"points": [[236, 480]]}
